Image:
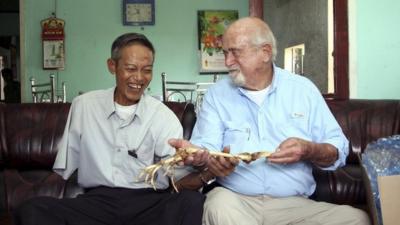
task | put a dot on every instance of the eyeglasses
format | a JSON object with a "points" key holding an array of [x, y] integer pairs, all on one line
{"points": [[239, 52], [236, 52]]}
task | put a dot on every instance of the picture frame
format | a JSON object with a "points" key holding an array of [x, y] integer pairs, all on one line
{"points": [[138, 12], [53, 54], [211, 26]]}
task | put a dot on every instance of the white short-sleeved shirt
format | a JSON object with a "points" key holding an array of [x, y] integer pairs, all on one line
{"points": [[96, 141]]}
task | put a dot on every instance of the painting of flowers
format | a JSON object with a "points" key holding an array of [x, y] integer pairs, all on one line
{"points": [[212, 25]]}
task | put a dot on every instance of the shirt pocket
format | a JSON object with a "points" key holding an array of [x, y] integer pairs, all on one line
{"points": [[293, 126], [236, 135], [143, 149]]}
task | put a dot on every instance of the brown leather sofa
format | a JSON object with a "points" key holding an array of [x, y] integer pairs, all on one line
{"points": [[29, 134]]}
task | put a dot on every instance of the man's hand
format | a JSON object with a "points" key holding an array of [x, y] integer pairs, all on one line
{"points": [[290, 151], [295, 149], [221, 166], [198, 159]]}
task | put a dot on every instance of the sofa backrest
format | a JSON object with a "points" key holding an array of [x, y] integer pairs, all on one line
{"points": [[364, 121], [30, 133]]}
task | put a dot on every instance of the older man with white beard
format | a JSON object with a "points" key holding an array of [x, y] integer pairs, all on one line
{"points": [[263, 107]]}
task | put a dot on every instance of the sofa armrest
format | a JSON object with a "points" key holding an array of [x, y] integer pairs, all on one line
{"points": [[342, 186], [21, 185]]}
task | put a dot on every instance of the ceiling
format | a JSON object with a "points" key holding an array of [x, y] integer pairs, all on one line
{"points": [[9, 6]]}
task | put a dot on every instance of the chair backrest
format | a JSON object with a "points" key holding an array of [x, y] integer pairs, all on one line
{"points": [[201, 89], [192, 92], [47, 92], [177, 90], [61, 94]]}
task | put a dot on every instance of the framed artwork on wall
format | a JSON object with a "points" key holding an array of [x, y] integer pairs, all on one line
{"points": [[138, 12], [211, 26]]}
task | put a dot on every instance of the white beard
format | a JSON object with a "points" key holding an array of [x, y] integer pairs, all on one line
{"points": [[238, 78]]}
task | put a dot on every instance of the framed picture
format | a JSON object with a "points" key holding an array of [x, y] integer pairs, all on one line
{"points": [[211, 26], [53, 54], [138, 12]]}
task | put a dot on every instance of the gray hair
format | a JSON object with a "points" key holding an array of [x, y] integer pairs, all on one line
{"points": [[129, 39], [265, 36]]}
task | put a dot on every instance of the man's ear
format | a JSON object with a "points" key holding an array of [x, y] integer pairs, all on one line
{"points": [[111, 66], [267, 51]]}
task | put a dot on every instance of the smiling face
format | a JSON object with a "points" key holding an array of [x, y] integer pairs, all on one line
{"points": [[244, 60], [239, 58], [247, 58], [133, 73]]}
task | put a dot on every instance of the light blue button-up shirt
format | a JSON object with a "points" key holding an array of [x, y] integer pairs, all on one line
{"points": [[293, 107], [96, 141]]}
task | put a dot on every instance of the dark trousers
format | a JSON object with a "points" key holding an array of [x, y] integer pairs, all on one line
{"points": [[114, 206]]}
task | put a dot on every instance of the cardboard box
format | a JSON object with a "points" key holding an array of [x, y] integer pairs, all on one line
{"points": [[389, 191]]}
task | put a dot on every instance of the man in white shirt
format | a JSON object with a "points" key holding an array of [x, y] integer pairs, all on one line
{"points": [[110, 136]]}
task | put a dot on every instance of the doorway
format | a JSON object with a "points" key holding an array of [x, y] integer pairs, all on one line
{"points": [[9, 40]]}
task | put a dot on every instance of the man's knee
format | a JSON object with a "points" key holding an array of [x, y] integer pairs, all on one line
{"points": [[213, 215], [218, 199], [215, 207], [353, 216]]}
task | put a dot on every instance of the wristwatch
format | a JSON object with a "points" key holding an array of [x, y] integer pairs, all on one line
{"points": [[205, 177]]}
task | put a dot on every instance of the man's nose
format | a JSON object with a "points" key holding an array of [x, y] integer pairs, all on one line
{"points": [[138, 75], [229, 59]]}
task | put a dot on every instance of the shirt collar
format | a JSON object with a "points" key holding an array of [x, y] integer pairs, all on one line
{"points": [[142, 110], [274, 82], [110, 109], [275, 78]]}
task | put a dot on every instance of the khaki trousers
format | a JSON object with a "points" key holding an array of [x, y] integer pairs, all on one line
{"points": [[224, 207]]}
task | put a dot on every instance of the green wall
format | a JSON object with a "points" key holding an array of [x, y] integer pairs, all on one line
{"points": [[378, 47], [92, 25]]}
